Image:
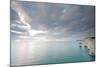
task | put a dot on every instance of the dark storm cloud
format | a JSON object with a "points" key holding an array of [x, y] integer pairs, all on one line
{"points": [[60, 20]]}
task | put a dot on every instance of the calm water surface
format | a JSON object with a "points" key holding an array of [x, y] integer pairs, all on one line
{"points": [[32, 53]]}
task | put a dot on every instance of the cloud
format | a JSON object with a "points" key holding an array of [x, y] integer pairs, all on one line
{"points": [[17, 32], [36, 32], [51, 21], [23, 16]]}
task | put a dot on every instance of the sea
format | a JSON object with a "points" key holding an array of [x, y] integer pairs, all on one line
{"points": [[30, 52]]}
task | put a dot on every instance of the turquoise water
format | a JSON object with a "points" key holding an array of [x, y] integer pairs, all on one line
{"points": [[33, 53]]}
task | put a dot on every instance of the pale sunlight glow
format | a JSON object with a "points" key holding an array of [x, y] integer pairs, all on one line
{"points": [[42, 38], [35, 32]]}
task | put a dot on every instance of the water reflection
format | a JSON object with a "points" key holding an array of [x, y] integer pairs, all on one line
{"points": [[28, 52]]}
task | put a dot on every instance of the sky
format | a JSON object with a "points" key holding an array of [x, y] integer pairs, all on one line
{"points": [[51, 21]]}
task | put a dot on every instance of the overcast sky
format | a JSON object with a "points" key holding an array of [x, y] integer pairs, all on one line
{"points": [[50, 21]]}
